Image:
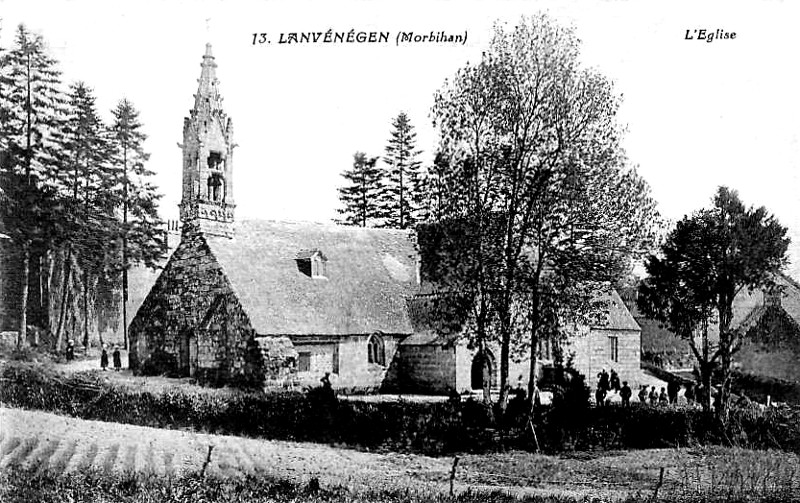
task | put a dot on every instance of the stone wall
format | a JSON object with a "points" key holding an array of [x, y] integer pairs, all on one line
{"points": [[592, 354], [425, 369], [465, 356], [192, 298], [347, 361]]}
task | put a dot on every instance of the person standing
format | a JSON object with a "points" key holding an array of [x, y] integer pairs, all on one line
{"points": [[625, 393], [663, 399], [104, 358], [614, 380], [672, 391], [653, 396], [600, 396], [70, 350], [117, 359], [643, 395], [603, 383]]}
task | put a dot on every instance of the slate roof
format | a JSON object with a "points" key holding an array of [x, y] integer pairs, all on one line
{"points": [[618, 317], [369, 275]]}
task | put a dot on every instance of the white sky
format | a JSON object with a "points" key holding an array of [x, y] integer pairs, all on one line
{"points": [[698, 114]]}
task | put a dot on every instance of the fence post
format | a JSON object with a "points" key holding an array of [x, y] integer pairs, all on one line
{"points": [[206, 462], [453, 474], [535, 438], [658, 486]]}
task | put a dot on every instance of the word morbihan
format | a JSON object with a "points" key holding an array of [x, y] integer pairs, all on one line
{"points": [[361, 37], [709, 35]]}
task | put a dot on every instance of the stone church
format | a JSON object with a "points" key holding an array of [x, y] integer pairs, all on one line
{"points": [[289, 302]]}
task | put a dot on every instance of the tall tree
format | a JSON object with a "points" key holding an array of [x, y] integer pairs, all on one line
{"points": [[360, 196], [705, 262], [542, 144], [89, 178], [30, 105], [142, 233], [401, 187]]}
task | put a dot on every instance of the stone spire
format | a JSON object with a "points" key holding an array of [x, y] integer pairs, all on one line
{"points": [[208, 97], [207, 202]]}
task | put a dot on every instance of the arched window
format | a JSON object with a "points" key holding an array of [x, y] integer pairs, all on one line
{"points": [[375, 350], [216, 188], [483, 369]]}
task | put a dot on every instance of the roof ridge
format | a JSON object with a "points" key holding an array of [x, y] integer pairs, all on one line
{"points": [[326, 224]]}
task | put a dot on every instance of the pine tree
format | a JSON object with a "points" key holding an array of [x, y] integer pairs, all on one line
{"points": [[91, 200], [30, 107], [360, 197], [142, 234], [401, 189]]}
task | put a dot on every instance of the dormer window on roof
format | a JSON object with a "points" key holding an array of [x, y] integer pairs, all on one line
{"points": [[772, 297], [312, 263]]}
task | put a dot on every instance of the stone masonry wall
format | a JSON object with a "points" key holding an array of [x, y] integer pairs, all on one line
{"points": [[592, 354], [426, 369], [347, 361], [179, 303]]}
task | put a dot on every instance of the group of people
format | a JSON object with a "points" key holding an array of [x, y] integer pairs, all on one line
{"points": [[116, 357], [607, 383], [654, 397], [610, 382]]}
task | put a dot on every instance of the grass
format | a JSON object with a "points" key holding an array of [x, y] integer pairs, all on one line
{"points": [[19, 485]]}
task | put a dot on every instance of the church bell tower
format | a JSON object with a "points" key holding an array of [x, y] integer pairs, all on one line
{"points": [[207, 200]]}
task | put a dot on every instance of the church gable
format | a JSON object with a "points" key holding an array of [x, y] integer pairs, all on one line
{"points": [[191, 321]]}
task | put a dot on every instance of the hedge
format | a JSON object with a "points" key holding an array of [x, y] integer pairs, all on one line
{"points": [[432, 428]]}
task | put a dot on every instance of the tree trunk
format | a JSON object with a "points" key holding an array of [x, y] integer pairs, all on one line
{"points": [[86, 308], [724, 392], [505, 343], [486, 378], [51, 263], [22, 335], [532, 387], [125, 307], [66, 279]]}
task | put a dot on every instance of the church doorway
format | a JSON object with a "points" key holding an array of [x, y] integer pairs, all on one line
{"points": [[483, 369], [188, 354]]}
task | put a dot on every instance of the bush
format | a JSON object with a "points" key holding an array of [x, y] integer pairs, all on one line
{"points": [[432, 428]]}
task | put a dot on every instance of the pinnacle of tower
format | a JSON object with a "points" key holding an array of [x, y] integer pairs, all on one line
{"points": [[208, 96]]}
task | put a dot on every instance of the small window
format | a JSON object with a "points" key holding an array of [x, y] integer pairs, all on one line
{"points": [[304, 361], [375, 351], [335, 359], [312, 263], [613, 343]]}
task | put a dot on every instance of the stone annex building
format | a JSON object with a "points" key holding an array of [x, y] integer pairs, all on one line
{"points": [[252, 300]]}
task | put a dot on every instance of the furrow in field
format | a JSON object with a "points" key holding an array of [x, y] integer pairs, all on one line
{"points": [[39, 458], [108, 459], [63, 456], [20, 452]]}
